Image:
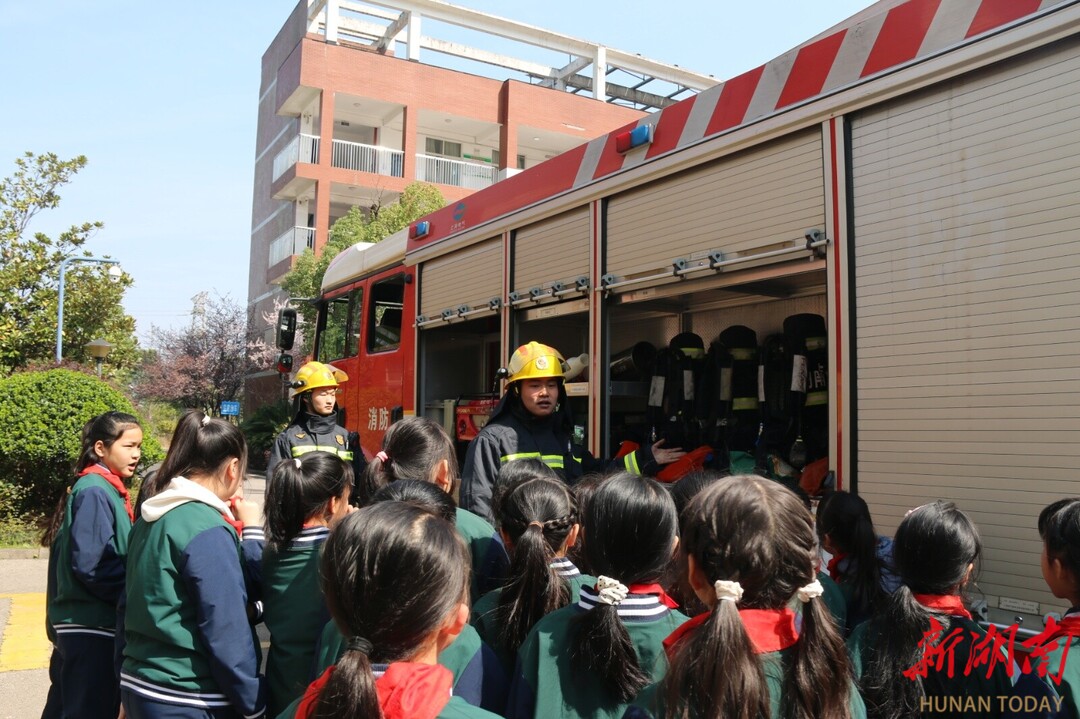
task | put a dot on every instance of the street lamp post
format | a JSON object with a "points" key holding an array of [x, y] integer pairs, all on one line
{"points": [[114, 274], [99, 350]]}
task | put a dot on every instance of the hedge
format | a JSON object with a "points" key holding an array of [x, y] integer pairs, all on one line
{"points": [[42, 414]]}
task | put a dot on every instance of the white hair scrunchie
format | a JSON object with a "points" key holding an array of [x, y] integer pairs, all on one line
{"points": [[727, 591], [611, 591], [810, 591]]}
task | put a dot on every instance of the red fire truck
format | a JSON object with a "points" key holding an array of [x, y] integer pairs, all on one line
{"points": [[910, 176]]}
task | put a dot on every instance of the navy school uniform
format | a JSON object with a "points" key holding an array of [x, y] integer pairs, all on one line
{"points": [[190, 650], [86, 581], [546, 684]]}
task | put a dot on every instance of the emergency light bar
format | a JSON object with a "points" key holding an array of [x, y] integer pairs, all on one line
{"points": [[420, 229], [640, 135]]}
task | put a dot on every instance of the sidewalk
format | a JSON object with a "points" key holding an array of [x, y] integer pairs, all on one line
{"points": [[24, 648]]}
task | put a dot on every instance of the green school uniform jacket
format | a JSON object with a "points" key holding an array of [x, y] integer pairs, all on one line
{"points": [[776, 666], [834, 599], [90, 550], [486, 622], [1067, 654], [295, 615], [189, 641], [941, 690], [547, 685], [489, 559]]}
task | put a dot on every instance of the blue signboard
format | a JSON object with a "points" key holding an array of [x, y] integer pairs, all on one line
{"points": [[230, 409]]}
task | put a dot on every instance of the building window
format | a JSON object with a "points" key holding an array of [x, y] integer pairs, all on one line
{"points": [[444, 148], [521, 162], [384, 325]]}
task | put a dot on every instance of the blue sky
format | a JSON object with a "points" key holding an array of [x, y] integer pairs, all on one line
{"points": [[161, 98]]}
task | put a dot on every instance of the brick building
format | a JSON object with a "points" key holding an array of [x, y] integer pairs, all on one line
{"points": [[350, 113]]}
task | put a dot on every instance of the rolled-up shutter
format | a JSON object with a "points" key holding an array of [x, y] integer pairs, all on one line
{"points": [[755, 200], [556, 249], [469, 278], [967, 283]]}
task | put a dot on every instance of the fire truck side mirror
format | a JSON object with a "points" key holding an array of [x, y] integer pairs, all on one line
{"points": [[286, 330]]}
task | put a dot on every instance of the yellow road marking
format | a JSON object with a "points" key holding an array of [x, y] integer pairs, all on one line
{"points": [[25, 645]]}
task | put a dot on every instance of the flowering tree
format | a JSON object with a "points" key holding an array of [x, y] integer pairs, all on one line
{"points": [[202, 365]]}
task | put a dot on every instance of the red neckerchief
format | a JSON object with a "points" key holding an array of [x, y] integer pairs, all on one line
{"points": [[770, 630], [232, 521], [1068, 627], [950, 604], [115, 482], [666, 600], [406, 691], [833, 566]]}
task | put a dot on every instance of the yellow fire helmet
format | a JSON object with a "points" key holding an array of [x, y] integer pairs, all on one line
{"points": [[535, 361], [315, 375]]}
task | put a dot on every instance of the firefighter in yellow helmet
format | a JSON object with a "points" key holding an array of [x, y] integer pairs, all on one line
{"points": [[532, 422], [315, 427]]}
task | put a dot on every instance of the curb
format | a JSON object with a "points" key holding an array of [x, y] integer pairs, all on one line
{"points": [[24, 553]]}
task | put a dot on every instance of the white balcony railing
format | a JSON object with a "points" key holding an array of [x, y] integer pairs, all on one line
{"points": [[470, 175], [302, 148], [368, 158], [291, 242]]}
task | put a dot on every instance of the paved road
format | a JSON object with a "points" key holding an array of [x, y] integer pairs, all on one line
{"points": [[24, 649]]}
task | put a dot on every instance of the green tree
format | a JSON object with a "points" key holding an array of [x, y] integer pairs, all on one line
{"points": [[29, 275], [305, 278]]}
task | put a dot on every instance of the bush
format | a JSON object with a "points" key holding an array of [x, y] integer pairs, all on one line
{"points": [[262, 428], [43, 414]]}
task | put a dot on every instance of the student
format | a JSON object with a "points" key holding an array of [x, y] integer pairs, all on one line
{"points": [[583, 492], [419, 448], [396, 582], [1059, 527], [936, 550], [190, 651], [591, 659], [307, 496], [88, 540], [315, 426], [538, 524], [478, 677], [861, 563], [750, 549]]}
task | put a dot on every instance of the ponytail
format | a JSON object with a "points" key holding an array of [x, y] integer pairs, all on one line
{"points": [[350, 690], [934, 547], [756, 532], [715, 668], [537, 513], [200, 445], [630, 527], [105, 428], [299, 490], [845, 517], [412, 449]]}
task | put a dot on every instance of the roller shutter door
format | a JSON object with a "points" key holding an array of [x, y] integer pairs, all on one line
{"points": [[758, 199], [472, 277], [967, 287], [555, 249]]}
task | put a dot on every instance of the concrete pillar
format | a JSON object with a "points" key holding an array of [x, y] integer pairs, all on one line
{"points": [[599, 88], [322, 185], [508, 132], [414, 37], [331, 21], [409, 140], [326, 128]]}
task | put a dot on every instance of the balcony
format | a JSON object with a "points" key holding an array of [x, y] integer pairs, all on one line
{"points": [[292, 242], [368, 158], [302, 148], [470, 175]]}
